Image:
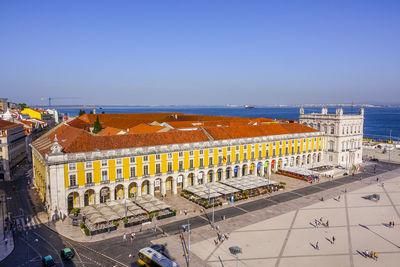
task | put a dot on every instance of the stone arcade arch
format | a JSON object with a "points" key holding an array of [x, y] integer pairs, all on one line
{"points": [[73, 200], [228, 173], [259, 168], [89, 197], [200, 178], [104, 194], [119, 192], [244, 170], [210, 176], [219, 174], [169, 185], [191, 179], [252, 168], [132, 189], [236, 171], [146, 187], [157, 187]]}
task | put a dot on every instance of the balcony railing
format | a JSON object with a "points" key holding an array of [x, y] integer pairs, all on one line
{"points": [[191, 169], [119, 179], [132, 177], [158, 173], [331, 150], [105, 182], [89, 184], [73, 186], [201, 167], [146, 175], [211, 166], [170, 172]]}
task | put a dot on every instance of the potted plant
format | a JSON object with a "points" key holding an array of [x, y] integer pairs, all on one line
{"points": [[125, 220], [116, 223]]}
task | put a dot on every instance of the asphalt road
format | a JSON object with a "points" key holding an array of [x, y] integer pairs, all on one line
{"points": [[36, 240]]}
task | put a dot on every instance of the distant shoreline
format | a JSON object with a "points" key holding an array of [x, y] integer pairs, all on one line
{"points": [[211, 106]]}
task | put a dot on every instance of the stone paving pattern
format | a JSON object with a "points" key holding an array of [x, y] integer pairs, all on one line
{"points": [[287, 239]]}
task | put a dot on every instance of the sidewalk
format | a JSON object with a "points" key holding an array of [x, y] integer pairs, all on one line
{"points": [[5, 249]]}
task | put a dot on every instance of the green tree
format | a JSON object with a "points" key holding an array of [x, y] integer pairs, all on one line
{"points": [[97, 126], [81, 112], [22, 106], [91, 112], [102, 112]]}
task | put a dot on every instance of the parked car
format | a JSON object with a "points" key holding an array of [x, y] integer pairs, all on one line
{"points": [[67, 254], [48, 261]]}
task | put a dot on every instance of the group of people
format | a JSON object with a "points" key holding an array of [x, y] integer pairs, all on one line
{"points": [[320, 222], [391, 224], [221, 237], [132, 237], [371, 254]]}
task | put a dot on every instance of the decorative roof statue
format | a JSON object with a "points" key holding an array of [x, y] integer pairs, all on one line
{"points": [[301, 111], [56, 147]]}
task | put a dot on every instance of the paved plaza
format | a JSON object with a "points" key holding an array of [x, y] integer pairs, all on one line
{"points": [[358, 224]]}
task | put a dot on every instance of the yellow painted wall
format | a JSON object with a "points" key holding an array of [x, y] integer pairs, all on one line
{"points": [[175, 162], [96, 172], [296, 144], [307, 144], [66, 178], [270, 149], [215, 157], [139, 166], [312, 143], [248, 152], [241, 153], [197, 159], [111, 170], [186, 160], [256, 149], [301, 145], [224, 155], [277, 146], [81, 173], [233, 154], [290, 146], [152, 164], [32, 113], [283, 148], [263, 151], [206, 158], [322, 143], [125, 168], [164, 163]]}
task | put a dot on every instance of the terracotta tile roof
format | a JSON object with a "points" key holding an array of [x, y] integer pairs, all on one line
{"points": [[65, 135], [109, 131], [235, 132], [145, 128], [6, 125], [184, 124], [85, 143], [78, 123]]}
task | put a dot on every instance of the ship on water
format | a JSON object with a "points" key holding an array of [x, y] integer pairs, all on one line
{"points": [[249, 106]]}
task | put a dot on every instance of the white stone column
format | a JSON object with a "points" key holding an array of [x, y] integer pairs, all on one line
{"points": [[261, 170], [174, 186], [139, 190], [81, 199], [276, 165], [151, 184], [163, 189], [185, 180], [195, 179], [112, 193]]}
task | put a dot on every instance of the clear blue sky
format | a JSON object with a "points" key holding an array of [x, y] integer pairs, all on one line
{"points": [[200, 52]]}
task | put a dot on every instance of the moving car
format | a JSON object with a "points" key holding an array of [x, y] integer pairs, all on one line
{"points": [[48, 261], [67, 254]]}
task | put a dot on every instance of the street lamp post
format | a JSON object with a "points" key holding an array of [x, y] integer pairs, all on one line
{"points": [[187, 227], [2, 214], [235, 251], [212, 220]]}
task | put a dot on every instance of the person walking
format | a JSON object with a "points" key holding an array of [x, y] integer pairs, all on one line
{"points": [[327, 223], [316, 246], [124, 237], [377, 179], [333, 240], [6, 241]]}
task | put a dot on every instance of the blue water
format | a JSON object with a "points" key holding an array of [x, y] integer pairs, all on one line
{"points": [[378, 121]]}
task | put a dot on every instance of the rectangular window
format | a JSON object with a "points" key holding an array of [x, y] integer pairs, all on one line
{"points": [[219, 150], [191, 163], [180, 165], [201, 162], [145, 158], [72, 180], [259, 155], [191, 153], [237, 157], [244, 156], [170, 166], [229, 159], [210, 160], [104, 175], [132, 160], [273, 152], [286, 150], [158, 168], [72, 167], [89, 178], [332, 130], [158, 156], [210, 150], [201, 152], [220, 159], [89, 165], [229, 148], [133, 172], [252, 155], [119, 161], [237, 147], [119, 173], [145, 170], [104, 163], [170, 155], [180, 154]]}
